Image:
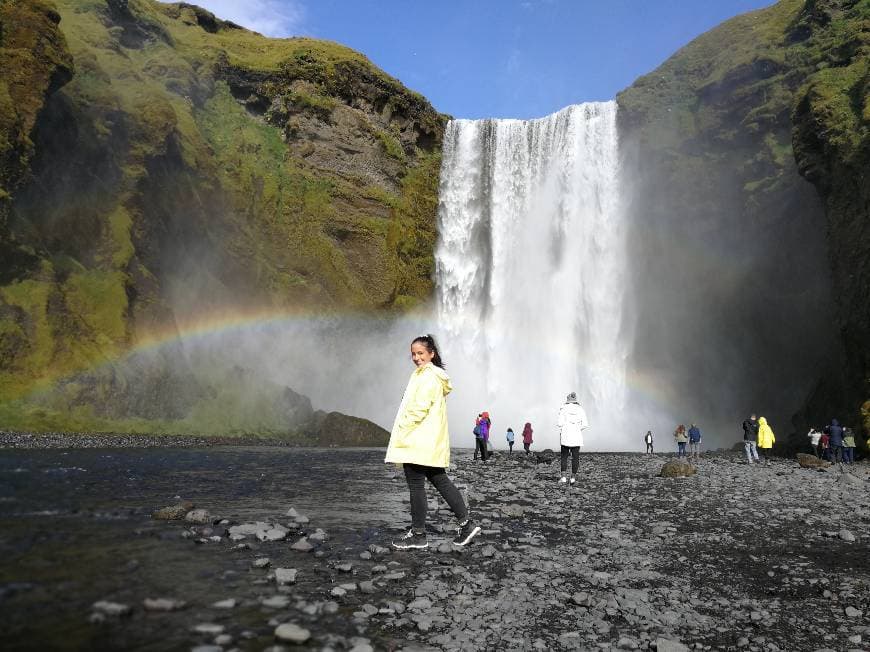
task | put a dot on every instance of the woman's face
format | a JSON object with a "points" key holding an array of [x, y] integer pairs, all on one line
{"points": [[420, 355]]}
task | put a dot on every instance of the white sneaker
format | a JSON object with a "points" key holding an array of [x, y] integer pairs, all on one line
{"points": [[573, 480], [563, 480]]}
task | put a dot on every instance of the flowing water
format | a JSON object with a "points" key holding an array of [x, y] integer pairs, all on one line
{"points": [[76, 527], [531, 269]]}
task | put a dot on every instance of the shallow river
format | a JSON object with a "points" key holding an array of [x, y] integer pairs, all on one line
{"points": [[75, 527]]}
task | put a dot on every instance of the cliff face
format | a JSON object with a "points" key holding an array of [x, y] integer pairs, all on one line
{"points": [[35, 63], [831, 139], [723, 140], [157, 162]]}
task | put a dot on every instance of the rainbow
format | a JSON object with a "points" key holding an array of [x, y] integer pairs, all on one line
{"points": [[645, 388]]}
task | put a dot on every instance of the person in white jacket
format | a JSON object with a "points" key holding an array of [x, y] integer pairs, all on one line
{"points": [[572, 422]]}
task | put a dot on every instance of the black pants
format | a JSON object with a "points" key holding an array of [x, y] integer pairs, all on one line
{"points": [[836, 454], [575, 458], [480, 447], [649, 448], [527, 446], [510, 447], [416, 476]]}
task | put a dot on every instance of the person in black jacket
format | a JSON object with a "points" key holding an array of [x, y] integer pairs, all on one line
{"points": [[835, 432], [750, 438]]}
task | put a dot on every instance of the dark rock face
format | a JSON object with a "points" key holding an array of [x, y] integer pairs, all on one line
{"points": [[831, 139], [717, 141], [34, 63]]}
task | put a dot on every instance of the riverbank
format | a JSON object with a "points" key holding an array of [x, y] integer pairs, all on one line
{"points": [[734, 557], [74, 440]]}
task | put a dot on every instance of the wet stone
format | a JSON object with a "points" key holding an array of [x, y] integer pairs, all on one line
{"points": [[209, 628], [292, 633], [109, 608], [163, 604], [285, 576], [198, 516], [846, 535], [275, 602], [302, 545]]}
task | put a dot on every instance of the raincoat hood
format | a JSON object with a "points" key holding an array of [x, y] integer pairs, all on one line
{"points": [[762, 421], [442, 376], [834, 422]]}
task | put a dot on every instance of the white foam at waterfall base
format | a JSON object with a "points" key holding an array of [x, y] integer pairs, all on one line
{"points": [[531, 273]]}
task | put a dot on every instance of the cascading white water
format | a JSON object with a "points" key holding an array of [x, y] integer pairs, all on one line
{"points": [[530, 272]]}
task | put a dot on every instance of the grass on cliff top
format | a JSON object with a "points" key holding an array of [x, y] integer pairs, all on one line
{"points": [[178, 27]]}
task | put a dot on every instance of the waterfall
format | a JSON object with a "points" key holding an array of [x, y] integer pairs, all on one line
{"points": [[531, 272]]}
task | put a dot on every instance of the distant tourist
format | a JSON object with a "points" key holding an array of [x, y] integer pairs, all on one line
{"points": [[766, 439], [681, 438], [571, 423], [476, 432], [814, 436], [694, 441], [750, 438], [835, 440], [648, 440], [527, 437], [420, 442], [484, 426], [825, 445], [848, 446], [510, 440]]}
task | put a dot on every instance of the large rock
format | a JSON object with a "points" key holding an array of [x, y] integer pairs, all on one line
{"points": [[678, 469], [173, 512], [337, 429], [811, 461]]}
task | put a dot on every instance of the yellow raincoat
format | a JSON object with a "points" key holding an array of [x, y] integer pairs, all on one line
{"points": [[765, 434], [419, 434]]}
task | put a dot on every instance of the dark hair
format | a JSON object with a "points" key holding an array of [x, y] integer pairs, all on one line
{"points": [[429, 342]]}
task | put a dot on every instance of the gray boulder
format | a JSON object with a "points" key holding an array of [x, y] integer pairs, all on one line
{"points": [[678, 469], [808, 461]]}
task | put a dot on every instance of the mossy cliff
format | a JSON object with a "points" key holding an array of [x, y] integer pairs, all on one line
{"points": [[157, 162], [726, 142]]}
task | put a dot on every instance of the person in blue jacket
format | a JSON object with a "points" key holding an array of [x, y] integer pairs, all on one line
{"points": [[510, 440], [695, 441]]}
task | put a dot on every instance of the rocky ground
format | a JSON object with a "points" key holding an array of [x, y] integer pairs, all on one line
{"points": [[735, 557]]}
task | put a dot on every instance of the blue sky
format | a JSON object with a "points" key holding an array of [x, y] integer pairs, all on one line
{"points": [[498, 58]]}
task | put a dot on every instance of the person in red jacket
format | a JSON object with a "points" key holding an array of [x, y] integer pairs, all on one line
{"points": [[527, 437]]}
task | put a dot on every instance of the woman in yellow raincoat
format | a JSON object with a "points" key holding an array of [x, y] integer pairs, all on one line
{"points": [[766, 439], [420, 442]]}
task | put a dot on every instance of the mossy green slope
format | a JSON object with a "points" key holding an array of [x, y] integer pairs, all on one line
{"points": [[191, 164], [721, 135]]}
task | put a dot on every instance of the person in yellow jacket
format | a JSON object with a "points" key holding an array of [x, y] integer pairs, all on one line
{"points": [[420, 442], [766, 439]]}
